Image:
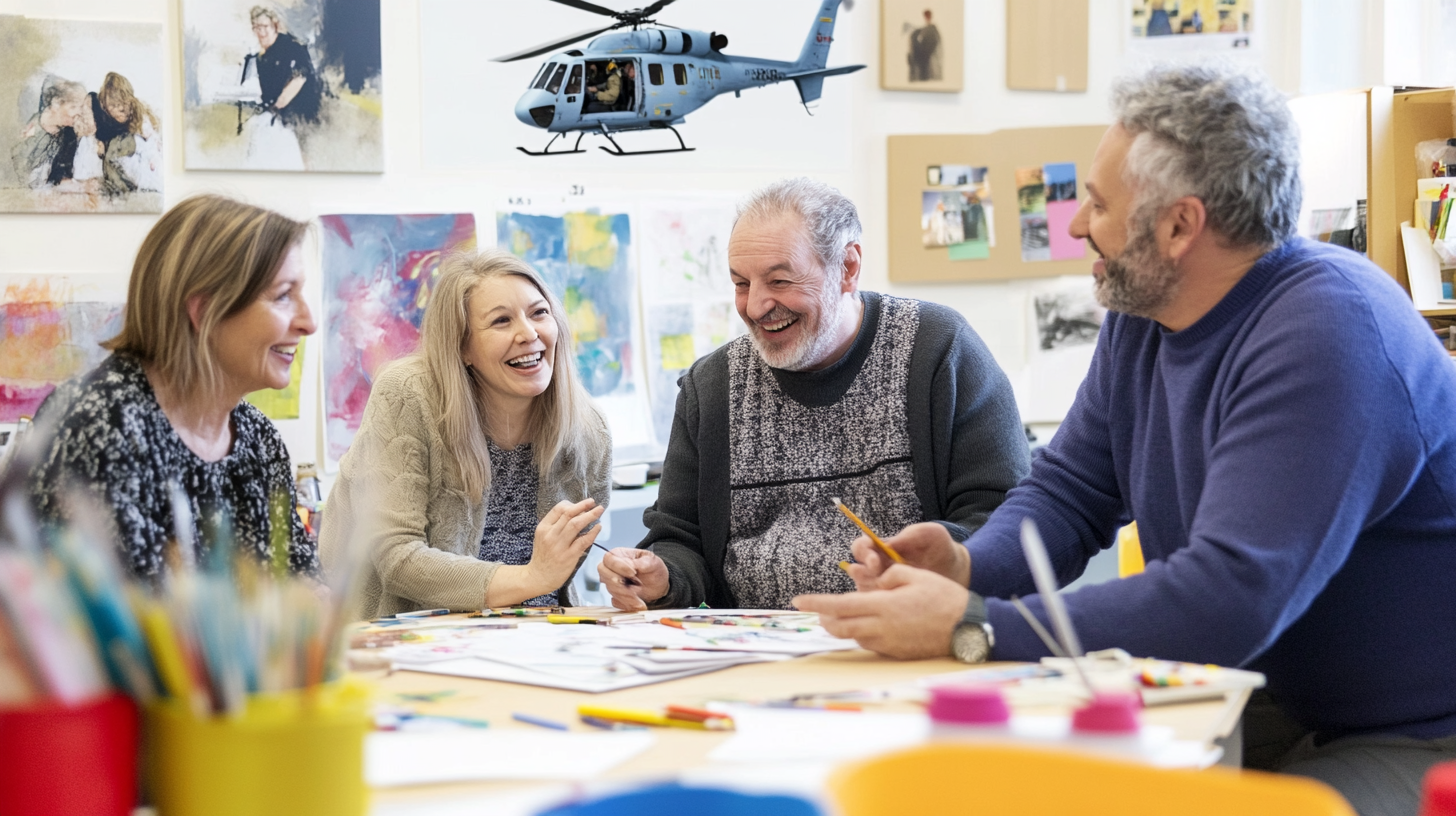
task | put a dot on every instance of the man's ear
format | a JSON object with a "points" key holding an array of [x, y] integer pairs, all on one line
{"points": [[849, 282], [195, 305], [1183, 223]]}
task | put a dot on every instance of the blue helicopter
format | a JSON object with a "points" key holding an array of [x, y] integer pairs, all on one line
{"points": [[651, 77]]}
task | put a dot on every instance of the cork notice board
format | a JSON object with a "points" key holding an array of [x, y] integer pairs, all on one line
{"points": [[1046, 45], [1002, 153]]}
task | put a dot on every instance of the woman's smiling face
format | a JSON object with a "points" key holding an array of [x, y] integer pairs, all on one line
{"points": [[512, 339]]}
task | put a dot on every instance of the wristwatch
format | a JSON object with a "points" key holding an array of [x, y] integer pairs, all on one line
{"points": [[973, 637]]}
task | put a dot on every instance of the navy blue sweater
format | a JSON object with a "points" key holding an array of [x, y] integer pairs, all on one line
{"points": [[1291, 462]]}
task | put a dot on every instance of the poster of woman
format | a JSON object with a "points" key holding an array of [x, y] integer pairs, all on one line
{"points": [[922, 45], [286, 85]]}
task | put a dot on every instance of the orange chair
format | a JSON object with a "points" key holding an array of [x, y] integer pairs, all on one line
{"points": [[1007, 780]]}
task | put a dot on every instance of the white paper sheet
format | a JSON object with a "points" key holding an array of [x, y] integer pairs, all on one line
{"points": [[399, 758]]}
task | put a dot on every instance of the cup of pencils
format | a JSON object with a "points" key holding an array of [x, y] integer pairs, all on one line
{"points": [[235, 662]]}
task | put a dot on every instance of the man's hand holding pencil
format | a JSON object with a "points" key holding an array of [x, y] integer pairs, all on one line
{"points": [[633, 577], [926, 546]]}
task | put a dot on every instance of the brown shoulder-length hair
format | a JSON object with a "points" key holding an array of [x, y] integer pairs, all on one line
{"points": [[222, 250], [564, 423]]}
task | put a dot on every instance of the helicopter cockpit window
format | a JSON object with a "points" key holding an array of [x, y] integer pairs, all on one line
{"points": [[555, 84], [654, 73], [545, 75], [679, 73], [573, 85]]}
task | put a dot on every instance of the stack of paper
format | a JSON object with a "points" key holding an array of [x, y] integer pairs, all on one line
{"points": [[607, 658]]}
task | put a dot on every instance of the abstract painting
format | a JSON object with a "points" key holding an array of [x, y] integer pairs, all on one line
{"points": [[687, 295], [378, 271], [585, 257], [80, 116], [922, 45], [51, 327], [291, 85]]}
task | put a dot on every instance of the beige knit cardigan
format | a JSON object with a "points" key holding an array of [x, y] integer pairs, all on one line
{"points": [[400, 496]]}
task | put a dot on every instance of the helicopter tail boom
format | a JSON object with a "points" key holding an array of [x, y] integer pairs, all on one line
{"points": [[815, 54]]}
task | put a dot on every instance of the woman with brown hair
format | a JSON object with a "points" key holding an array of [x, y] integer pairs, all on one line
{"points": [[481, 461], [214, 311], [128, 137]]}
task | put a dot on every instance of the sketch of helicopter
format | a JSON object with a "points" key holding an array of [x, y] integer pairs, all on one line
{"points": [[661, 75]]}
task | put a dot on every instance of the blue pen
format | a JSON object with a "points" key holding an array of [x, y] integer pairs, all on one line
{"points": [[544, 723], [423, 613]]}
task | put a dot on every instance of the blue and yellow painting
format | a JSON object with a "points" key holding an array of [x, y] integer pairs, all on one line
{"points": [[585, 257]]}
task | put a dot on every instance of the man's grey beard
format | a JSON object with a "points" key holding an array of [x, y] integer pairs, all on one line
{"points": [[811, 349], [1139, 281]]}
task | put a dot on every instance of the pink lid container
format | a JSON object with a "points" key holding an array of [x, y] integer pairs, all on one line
{"points": [[968, 705], [1109, 713]]}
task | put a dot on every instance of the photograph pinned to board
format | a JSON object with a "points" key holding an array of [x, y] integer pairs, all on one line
{"points": [[1063, 326], [687, 295], [378, 274], [282, 403], [51, 329], [1031, 208], [958, 214], [289, 85], [1205, 25], [80, 116], [585, 256], [922, 45]]}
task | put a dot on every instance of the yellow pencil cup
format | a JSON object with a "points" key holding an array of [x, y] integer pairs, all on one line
{"points": [[288, 753]]}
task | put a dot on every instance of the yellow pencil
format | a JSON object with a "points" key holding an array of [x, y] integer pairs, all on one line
{"points": [[884, 548], [640, 717]]}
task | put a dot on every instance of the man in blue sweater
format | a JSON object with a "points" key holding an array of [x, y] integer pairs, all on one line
{"points": [[1279, 421]]}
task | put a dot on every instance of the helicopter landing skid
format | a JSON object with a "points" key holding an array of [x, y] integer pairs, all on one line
{"points": [[547, 151], [683, 148]]}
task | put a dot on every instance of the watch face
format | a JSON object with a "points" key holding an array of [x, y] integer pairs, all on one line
{"points": [[969, 644]]}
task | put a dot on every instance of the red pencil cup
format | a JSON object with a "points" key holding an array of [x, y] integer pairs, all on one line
{"points": [[75, 760]]}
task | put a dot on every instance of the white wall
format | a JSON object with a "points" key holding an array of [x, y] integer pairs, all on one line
{"points": [[742, 140]]}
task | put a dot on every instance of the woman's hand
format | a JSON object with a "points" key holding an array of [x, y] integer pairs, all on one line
{"points": [[633, 577], [560, 542]]}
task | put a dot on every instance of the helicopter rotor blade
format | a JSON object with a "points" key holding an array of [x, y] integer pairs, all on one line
{"points": [[592, 7], [544, 48], [652, 9]]}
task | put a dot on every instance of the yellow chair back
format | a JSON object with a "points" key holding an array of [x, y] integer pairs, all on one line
{"points": [[1129, 551], [1008, 780]]}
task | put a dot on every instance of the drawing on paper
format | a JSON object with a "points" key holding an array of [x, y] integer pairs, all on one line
{"points": [[282, 403], [80, 116], [51, 328], [291, 85], [585, 257], [687, 295], [1067, 319], [378, 274]]}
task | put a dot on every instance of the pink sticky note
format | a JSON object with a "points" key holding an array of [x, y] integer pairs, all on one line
{"points": [[1064, 246]]}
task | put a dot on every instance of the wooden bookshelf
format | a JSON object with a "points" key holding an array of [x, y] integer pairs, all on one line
{"points": [[1397, 122]]}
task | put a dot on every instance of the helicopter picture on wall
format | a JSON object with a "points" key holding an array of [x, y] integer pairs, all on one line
{"points": [[653, 76]]}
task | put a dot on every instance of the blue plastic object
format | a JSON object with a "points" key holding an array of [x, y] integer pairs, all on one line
{"points": [[673, 799]]}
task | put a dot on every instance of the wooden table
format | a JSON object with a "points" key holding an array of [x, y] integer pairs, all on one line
{"points": [[679, 750]]}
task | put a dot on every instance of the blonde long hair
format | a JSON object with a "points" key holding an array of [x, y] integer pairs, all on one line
{"points": [[563, 422]]}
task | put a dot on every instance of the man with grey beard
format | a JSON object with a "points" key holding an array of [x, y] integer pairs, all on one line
{"points": [[892, 405], [1275, 416]]}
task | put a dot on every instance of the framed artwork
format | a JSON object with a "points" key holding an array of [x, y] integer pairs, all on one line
{"points": [[1204, 25], [284, 85], [80, 116], [922, 45]]}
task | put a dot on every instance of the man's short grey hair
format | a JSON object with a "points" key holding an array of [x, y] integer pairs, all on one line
{"points": [[1218, 133], [829, 217]]}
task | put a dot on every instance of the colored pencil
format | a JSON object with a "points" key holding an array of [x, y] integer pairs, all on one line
{"points": [[884, 548]]}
